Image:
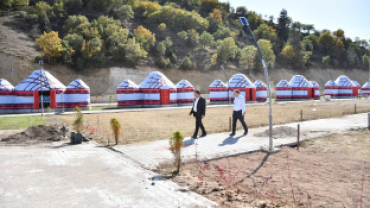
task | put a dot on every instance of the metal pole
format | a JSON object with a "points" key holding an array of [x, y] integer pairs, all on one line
{"points": [[41, 87], [228, 84], [271, 142], [298, 131]]}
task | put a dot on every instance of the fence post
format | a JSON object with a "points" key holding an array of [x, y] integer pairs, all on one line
{"points": [[368, 120], [355, 109], [298, 136], [301, 115], [230, 124]]}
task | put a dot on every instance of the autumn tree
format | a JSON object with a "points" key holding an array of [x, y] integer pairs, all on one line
{"points": [[51, 44], [248, 56], [89, 48], [226, 50], [266, 50], [133, 51], [145, 37], [351, 55], [288, 53], [126, 12], [214, 59], [162, 27], [215, 17], [206, 39]]}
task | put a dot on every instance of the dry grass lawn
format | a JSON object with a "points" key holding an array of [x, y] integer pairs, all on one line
{"points": [[157, 125]]}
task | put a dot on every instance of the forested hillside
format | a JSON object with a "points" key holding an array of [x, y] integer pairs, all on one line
{"points": [[192, 34]]}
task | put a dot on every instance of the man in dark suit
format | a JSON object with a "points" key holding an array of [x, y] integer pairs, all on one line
{"points": [[199, 112]]}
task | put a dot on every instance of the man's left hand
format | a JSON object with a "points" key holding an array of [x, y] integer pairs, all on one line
{"points": [[203, 116], [243, 114]]}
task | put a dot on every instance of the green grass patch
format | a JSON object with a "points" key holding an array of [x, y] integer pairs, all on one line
{"points": [[99, 108], [21, 122]]}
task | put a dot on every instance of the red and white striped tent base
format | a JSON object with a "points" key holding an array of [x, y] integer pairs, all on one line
{"points": [[26, 94], [316, 88], [301, 88], [244, 85], [158, 90], [218, 92], [331, 89], [128, 94], [185, 92], [77, 94], [366, 88], [283, 91], [6, 95], [261, 91], [346, 89]]}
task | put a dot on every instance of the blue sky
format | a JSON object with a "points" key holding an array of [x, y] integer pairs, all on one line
{"points": [[351, 16]]}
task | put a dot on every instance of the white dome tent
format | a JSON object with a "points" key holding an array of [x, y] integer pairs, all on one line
{"points": [[77, 94], [283, 91], [366, 89], [244, 85], [128, 94], [185, 92], [316, 88], [331, 89], [27, 93], [345, 87], [6, 96], [158, 90], [218, 92], [261, 91], [301, 88]]}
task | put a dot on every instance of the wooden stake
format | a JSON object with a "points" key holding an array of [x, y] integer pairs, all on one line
{"points": [[301, 115], [368, 120], [298, 136], [355, 109]]}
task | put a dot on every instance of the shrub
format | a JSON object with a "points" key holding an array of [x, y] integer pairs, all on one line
{"points": [[116, 128], [186, 63], [175, 145], [37, 59], [78, 122], [22, 14], [162, 27], [48, 109]]}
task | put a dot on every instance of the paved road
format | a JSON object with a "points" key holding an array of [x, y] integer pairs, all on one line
{"points": [[83, 176], [213, 146]]}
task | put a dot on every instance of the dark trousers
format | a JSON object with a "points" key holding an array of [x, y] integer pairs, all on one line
{"points": [[237, 115], [198, 123]]}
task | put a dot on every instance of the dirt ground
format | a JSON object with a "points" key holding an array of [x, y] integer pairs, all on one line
{"points": [[157, 125], [34, 135], [325, 172]]}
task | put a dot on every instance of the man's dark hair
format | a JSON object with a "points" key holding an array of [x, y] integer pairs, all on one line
{"points": [[197, 91], [237, 91]]}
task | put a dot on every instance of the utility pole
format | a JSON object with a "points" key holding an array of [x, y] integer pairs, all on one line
{"points": [[271, 148]]}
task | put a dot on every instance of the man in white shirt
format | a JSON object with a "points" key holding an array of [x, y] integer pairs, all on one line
{"points": [[239, 110], [199, 112]]}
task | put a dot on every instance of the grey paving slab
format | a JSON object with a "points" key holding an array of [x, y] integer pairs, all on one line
{"points": [[151, 154], [83, 176]]}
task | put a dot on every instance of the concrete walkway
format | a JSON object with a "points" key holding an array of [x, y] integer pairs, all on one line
{"points": [[150, 155], [83, 176]]}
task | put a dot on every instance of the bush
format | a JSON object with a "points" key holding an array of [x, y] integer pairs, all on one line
{"points": [[37, 59], [78, 122], [22, 14], [175, 145], [116, 128], [186, 63]]}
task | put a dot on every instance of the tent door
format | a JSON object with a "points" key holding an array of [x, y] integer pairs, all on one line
{"points": [[165, 97], [46, 98]]}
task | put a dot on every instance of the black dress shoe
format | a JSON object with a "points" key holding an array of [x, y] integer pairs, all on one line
{"points": [[245, 133], [232, 134], [203, 135], [193, 137]]}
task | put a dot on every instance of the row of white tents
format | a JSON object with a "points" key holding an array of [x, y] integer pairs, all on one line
{"points": [[26, 97], [158, 90]]}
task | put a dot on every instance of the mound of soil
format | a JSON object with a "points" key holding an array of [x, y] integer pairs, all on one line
{"points": [[279, 132], [35, 135]]}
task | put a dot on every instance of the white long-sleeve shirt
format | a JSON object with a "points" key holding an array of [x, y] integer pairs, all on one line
{"points": [[195, 105], [239, 103]]}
